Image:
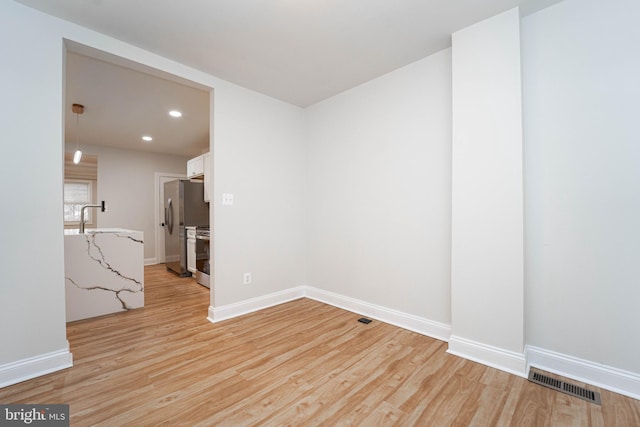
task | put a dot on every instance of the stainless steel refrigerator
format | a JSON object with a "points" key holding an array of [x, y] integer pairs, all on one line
{"points": [[183, 206]]}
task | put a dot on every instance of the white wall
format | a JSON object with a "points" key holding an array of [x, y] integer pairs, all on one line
{"points": [[126, 182], [487, 201], [379, 190], [32, 313], [581, 81], [259, 157], [256, 157]]}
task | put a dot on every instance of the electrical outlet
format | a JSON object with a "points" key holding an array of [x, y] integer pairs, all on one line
{"points": [[227, 199], [247, 278]]}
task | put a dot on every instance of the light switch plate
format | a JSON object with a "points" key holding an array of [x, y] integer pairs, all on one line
{"points": [[227, 199]]}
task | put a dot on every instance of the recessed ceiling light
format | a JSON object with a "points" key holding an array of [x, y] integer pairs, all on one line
{"points": [[175, 113], [147, 138]]}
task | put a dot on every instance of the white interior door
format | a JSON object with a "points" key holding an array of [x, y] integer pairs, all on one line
{"points": [[161, 178]]}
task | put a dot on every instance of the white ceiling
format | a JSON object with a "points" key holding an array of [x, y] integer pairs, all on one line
{"points": [[122, 105], [298, 51]]}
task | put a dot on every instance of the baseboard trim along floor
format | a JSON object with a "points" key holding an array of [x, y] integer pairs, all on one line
{"points": [[229, 311], [616, 380], [508, 361], [410, 322], [32, 367], [612, 379]]}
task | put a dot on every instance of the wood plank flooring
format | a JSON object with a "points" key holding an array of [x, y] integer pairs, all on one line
{"points": [[302, 363]]}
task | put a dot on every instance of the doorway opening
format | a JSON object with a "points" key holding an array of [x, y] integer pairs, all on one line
{"points": [[131, 170]]}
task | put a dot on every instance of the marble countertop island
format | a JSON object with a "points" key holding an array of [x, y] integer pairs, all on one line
{"points": [[104, 272]]}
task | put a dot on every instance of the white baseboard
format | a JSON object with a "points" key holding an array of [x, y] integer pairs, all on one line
{"points": [[606, 377], [505, 360], [26, 369], [224, 312], [616, 380], [150, 261], [413, 323], [410, 322]]}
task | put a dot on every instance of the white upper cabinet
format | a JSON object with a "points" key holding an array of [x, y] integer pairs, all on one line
{"points": [[200, 167], [195, 167]]}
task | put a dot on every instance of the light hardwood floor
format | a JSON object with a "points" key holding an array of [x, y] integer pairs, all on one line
{"points": [[300, 363]]}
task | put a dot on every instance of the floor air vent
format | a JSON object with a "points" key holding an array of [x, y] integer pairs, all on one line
{"points": [[565, 387]]}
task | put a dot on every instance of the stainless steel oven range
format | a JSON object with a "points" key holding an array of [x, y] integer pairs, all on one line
{"points": [[203, 269]]}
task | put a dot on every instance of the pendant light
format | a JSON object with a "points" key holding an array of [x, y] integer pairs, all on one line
{"points": [[78, 109]]}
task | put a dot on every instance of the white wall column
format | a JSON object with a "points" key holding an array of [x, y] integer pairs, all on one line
{"points": [[487, 282]]}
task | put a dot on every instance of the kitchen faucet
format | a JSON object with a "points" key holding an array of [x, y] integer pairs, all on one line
{"points": [[102, 207]]}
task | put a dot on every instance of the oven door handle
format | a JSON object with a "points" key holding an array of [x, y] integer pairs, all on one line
{"points": [[203, 238]]}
